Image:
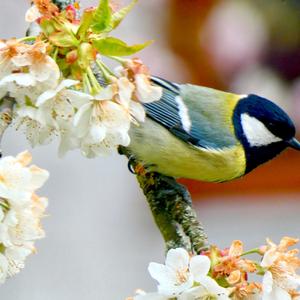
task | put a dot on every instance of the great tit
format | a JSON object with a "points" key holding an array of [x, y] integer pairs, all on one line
{"points": [[204, 134]]}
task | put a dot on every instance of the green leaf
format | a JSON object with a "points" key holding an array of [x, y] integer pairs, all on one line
{"points": [[120, 15], [47, 26], [86, 21], [114, 47], [102, 18], [63, 39]]}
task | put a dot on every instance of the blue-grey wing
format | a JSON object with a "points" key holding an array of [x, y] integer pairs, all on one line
{"points": [[193, 114]]}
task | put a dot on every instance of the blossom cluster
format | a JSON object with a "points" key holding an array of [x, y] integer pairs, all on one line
{"points": [[61, 86], [224, 274], [21, 211]]}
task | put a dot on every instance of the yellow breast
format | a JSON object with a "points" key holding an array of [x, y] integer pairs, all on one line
{"points": [[154, 146]]}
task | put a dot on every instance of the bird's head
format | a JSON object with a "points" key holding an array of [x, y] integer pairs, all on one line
{"points": [[264, 130]]}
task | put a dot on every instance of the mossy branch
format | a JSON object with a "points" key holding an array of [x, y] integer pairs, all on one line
{"points": [[171, 207]]}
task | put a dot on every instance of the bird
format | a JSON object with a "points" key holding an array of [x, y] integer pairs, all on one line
{"points": [[201, 133]]}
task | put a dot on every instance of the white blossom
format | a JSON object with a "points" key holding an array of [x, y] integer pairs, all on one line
{"points": [[102, 124], [38, 124], [138, 73], [207, 290], [180, 272], [145, 91], [32, 14], [125, 96], [27, 71], [271, 291], [40, 65], [20, 211], [280, 280]]}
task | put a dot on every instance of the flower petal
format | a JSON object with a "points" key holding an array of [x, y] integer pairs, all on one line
{"points": [[77, 99], [39, 177], [269, 258], [267, 282], [199, 266], [277, 293], [24, 158], [82, 119], [212, 286], [126, 89], [236, 248], [66, 83], [32, 14], [177, 259], [20, 78], [137, 111], [194, 293], [162, 274], [97, 133], [145, 91], [105, 94], [43, 98]]}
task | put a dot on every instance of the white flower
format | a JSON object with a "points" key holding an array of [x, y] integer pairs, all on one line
{"points": [[57, 102], [61, 103], [8, 50], [29, 71], [271, 291], [180, 272], [39, 124], [32, 14], [125, 95], [138, 73], [41, 66], [145, 91], [20, 211], [68, 137], [102, 124], [17, 182], [211, 290], [280, 280]]}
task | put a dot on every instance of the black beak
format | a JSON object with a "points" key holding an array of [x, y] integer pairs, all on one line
{"points": [[293, 143]]}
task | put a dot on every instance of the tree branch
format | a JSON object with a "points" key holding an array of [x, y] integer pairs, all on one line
{"points": [[171, 207]]}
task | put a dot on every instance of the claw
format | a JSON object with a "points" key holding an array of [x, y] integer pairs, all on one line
{"points": [[137, 168], [130, 165]]}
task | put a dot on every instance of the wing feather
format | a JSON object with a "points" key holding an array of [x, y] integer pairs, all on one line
{"points": [[210, 126]]}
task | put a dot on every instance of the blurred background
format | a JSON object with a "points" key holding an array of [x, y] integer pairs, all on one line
{"points": [[100, 233]]}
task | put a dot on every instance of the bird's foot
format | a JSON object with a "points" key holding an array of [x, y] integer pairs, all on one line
{"points": [[138, 168]]}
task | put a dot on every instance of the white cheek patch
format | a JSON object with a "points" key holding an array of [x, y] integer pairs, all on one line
{"points": [[184, 114], [256, 132]]}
